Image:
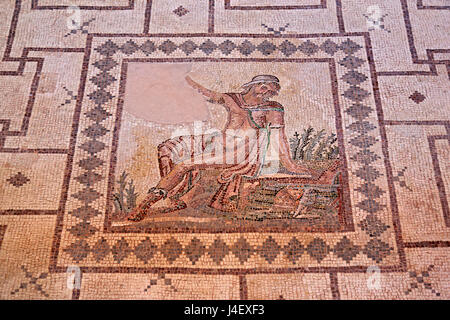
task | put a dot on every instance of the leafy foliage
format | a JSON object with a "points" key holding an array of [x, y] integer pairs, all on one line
{"points": [[314, 145], [125, 198]]}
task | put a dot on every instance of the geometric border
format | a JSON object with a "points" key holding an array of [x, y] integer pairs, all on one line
{"points": [[68, 228], [438, 175], [420, 6], [36, 6], [434, 157], [431, 62], [322, 5], [333, 271]]}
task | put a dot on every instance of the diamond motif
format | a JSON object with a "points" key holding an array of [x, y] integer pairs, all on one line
{"points": [[351, 62], [100, 249], [372, 225], [359, 111], [227, 47], [329, 47], [293, 250], [370, 205], [218, 250], [100, 96], [18, 180], [354, 77], [105, 64], [171, 249], [90, 163], [361, 127], [346, 250], [83, 230], [148, 47], [87, 195], [89, 178], [208, 46], [95, 131], [309, 48], [97, 114], [367, 173], [318, 249], [93, 146], [188, 47], [167, 47], [85, 212], [417, 97], [194, 250], [377, 250], [129, 47], [78, 250], [356, 93], [107, 49], [287, 48], [266, 47], [246, 48], [370, 190], [242, 250], [145, 250], [363, 141], [349, 46], [121, 250], [180, 11], [269, 250], [365, 156], [103, 79]]}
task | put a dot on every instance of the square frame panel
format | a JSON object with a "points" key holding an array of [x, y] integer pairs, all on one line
{"points": [[376, 239]]}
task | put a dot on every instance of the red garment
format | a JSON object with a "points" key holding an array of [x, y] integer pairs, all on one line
{"points": [[246, 150]]}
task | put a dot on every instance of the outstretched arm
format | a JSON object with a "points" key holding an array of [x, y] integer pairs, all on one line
{"points": [[214, 96]]}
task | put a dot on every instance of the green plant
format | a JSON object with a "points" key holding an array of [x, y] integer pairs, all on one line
{"points": [[125, 198], [312, 145]]}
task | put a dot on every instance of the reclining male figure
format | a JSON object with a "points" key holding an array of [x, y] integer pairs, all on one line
{"points": [[249, 110]]}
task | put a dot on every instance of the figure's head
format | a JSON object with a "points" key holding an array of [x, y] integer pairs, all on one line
{"points": [[263, 86]]}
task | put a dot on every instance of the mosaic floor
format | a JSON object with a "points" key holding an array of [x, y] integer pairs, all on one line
{"points": [[225, 149]]}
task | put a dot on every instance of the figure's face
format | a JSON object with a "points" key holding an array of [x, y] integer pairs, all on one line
{"points": [[265, 90]]}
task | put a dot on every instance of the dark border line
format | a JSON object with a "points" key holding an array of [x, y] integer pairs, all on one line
{"points": [[35, 6], [322, 5], [438, 175], [334, 285], [385, 150], [243, 289], [229, 271], [420, 6], [69, 164]]}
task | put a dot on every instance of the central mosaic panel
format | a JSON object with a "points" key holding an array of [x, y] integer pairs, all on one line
{"points": [[228, 154], [224, 163]]}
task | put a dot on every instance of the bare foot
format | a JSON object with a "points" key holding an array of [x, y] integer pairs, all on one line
{"points": [[139, 213]]}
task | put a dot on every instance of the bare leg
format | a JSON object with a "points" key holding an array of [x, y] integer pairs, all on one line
{"points": [[159, 192], [165, 185], [174, 177]]}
